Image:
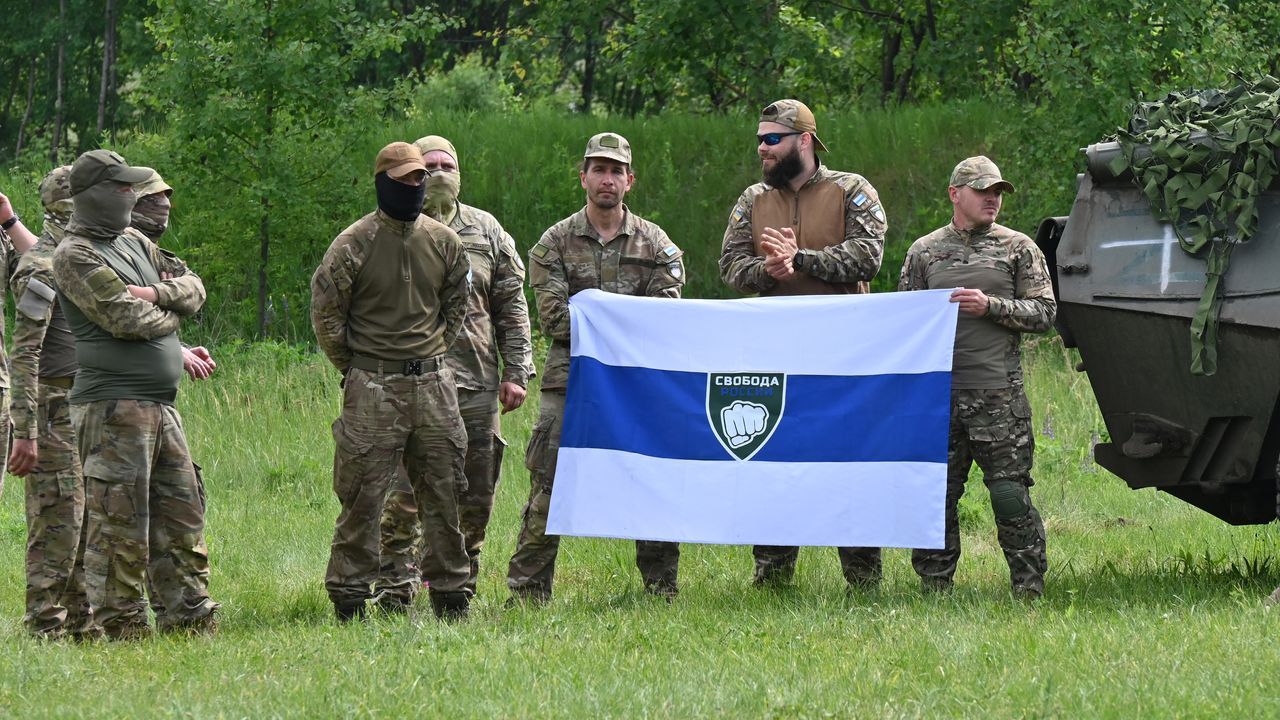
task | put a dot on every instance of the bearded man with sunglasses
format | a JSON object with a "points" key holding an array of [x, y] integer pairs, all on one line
{"points": [[805, 230]]}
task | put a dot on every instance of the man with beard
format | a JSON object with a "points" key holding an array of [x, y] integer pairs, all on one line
{"points": [[123, 299], [387, 301], [605, 246], [496, 326], [1005, 292], [805, 230], [44, 366]]}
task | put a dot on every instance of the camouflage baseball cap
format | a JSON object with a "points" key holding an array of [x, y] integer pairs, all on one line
{"points": [[795, 115], [152, 185], [435, 142], [609, 145], [978, 173], [97, 166], [398, 159], [56, 187]]}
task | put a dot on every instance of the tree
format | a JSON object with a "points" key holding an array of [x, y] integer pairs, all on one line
{"points": [[259, 99]]}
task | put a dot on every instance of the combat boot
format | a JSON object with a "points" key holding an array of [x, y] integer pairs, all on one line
{"points": [[206, 624], [450, 606], [128, 631], [347, 612]]}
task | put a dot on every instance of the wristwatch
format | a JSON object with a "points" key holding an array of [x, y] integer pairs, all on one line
{"points": [[10, 222], [797, 260]]}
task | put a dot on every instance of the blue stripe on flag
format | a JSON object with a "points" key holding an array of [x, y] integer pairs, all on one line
{"points": [[661, 413]]}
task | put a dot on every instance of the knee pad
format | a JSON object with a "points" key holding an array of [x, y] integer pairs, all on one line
{"points": [[1009, 499]]}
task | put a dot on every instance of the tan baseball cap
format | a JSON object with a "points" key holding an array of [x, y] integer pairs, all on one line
{"points": [[152, 185], [609, 145], [398, 159], [98, 166], [795, 115], [435, 142], [978, 173], [56, 187]]}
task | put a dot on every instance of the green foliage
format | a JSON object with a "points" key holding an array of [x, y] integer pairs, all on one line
{"points": [[258, 101], [469, 86]]}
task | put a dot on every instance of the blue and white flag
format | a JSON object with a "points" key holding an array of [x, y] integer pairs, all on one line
{"points": [[815, 420]]}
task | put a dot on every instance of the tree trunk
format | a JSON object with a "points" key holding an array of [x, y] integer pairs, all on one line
{"points": [[26, 115], [107, 87], [264, 225], [57, 103], [588, 75]]}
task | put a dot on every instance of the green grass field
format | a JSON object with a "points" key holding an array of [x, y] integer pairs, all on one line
{"points": [[1153, 608]]}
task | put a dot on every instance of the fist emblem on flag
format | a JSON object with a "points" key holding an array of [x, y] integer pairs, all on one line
{"points": [[743, 422]]}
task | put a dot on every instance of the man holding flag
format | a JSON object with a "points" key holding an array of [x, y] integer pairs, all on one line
{"points": [[607, 247], [1004, 290]]}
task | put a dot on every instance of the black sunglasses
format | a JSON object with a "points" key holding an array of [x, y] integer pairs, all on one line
{"points": [[774, 138]]}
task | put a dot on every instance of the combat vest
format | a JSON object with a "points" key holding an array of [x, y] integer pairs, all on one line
{"points": [[817, 216]]}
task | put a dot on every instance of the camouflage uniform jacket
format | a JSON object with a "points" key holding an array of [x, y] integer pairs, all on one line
{"points": [[36, 317], [381, 314], [497, 319], [855, 258], [639, 260], [1009, 268], [8, 262]]}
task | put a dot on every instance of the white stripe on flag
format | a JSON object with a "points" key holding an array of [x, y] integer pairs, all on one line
{"points": [[805, 335], [606, 493]]}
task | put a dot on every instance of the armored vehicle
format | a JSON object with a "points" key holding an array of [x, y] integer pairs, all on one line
{"points": [[1127, 294]]}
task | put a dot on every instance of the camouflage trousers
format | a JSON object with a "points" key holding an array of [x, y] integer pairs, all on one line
{"points": [[533, 565], [776, 564], [56, 599], [145, 506], [7, 425], [993, 429], [389, 420], [399, 576]]}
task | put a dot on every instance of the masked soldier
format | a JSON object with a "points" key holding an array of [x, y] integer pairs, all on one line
{"points": [[496, 326], [387, 301], [123, 298]]}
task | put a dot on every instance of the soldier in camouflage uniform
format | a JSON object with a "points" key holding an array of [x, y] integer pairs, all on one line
{"points": [[44, 445], [602, 246], [1005, 292], [496, 326], [124, 298], [805, 230], [387, 301], [15, 238]]}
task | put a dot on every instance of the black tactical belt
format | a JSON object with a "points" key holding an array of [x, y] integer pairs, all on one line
{"points": [[400, 367]]}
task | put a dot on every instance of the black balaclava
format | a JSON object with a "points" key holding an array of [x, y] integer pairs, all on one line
{"points": [[399, 200]]}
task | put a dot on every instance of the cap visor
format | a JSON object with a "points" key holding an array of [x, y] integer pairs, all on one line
{"points": [[131, 175], [818, 143], [403, 169], [984, 183]]}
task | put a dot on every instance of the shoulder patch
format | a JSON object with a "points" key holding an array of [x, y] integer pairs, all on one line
{"points": [[104, 283], [37, 298], [877, 212], [538, 250], [859, 200], [670, 250]]}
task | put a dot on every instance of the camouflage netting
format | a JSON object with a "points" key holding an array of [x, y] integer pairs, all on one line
{"points": [[1203, 158]]}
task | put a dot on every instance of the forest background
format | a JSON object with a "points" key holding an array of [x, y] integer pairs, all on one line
{"points": [[265, 115]]}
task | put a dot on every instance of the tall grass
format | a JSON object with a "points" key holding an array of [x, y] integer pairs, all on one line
{"points": [[1153, 608]]}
